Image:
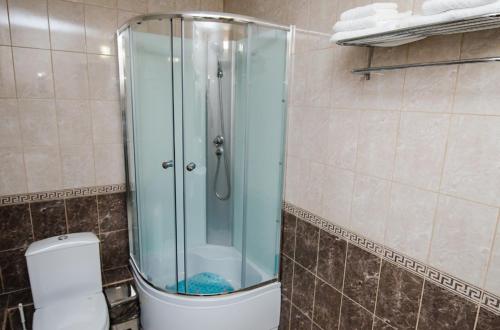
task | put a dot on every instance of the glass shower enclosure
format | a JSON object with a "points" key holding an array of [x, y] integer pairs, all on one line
{"points": [[204, 102]]}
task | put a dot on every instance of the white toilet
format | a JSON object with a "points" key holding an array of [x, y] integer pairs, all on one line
{"points": [[65, 276]]}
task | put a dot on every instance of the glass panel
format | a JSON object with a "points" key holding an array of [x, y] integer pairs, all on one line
{"points": [[153, 131], [264, 148], [213, 262], [126, 102]]}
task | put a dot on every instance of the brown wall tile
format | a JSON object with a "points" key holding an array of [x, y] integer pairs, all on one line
{"points": [[299, 321], [361, 276], [14, 270], [49, 219], [331, 259], [286, 274], [285, 315], [82, 214], [306, 246], [326, 306], [15, 227], [114, 247], [442, 309], [303, 289], [398, 296], [353, 316], [378, 324], [288, 234], [488, 320], [112, 210]]}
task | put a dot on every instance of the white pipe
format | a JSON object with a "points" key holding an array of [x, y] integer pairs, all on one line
{"points": [[21, 313]]}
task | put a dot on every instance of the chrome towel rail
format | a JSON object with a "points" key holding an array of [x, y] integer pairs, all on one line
{"points": [[366, 71]]}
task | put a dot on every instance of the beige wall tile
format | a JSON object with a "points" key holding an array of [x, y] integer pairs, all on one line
{"points": [[33, 69], [462, 238], [342, 138], [7, 82], [67, 25], [294, 131], [124, 16], [160, 5], [43, 168], [107, 122], [187, 5], [430, 89], [337, 189], [376, 143], [139, 6], [476, 89], [29, 23], [319, 79], [383, 91], [492, 282], [409, 224], [370, 206], [438, 48], [212, 5], [299, 79], [4, 24], [347, 87], [100, 28], [10, 128], [323, 14], [298, 13], [471, 166], [109, 164], [70, 75], [314, 135], [78, 166], [38, 122], [74, 122], [421, 148], [295, 178], [103, 77], [12, 173], [104, 3], [481, 44]]}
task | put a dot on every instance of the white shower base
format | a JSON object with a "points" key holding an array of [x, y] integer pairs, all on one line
{"points": [[255, 309]]}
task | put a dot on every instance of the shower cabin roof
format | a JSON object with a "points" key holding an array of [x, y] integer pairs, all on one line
{"points": [[204, 15]]}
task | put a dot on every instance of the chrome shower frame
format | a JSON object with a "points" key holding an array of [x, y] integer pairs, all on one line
{"points": [[200, 16]]}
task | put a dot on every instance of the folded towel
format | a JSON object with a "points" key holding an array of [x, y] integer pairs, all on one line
{"points": [[432, 7], [452, 15], [369, 22], [369, 10]]}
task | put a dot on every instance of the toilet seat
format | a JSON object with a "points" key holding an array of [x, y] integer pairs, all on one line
{"points": [[84, 313]]}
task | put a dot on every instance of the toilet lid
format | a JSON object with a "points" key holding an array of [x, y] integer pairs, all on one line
{"points": [[76, 314]]}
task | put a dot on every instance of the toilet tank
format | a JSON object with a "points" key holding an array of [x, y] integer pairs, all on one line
{"points": [[64, 267]]}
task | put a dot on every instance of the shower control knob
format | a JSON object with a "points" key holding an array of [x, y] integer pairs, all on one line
{"points": [[191, 166], [168, 163]]}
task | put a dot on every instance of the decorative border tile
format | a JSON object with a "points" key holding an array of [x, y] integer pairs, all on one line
{"points": [[60, 194], [475, 294]]}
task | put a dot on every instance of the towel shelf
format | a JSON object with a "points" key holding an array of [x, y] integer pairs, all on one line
{"points": [[475, 23]]}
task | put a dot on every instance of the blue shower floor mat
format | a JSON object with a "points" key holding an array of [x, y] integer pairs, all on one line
{"points": [[203, 283]]}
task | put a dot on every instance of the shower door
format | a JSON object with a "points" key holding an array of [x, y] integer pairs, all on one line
{"points": [[204, 104]]}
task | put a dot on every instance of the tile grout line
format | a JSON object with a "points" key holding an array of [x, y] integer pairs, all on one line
{"points": [[377, 292], [315, 277], [293, 269], [343, 283], [420, 303]]}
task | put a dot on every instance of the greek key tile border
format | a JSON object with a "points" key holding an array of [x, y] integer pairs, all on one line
{"points": [[61, 194], [471, 292]]}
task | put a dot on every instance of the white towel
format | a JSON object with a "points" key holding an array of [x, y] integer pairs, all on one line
{"points": [[340, 36], [432, 7], [452, 15], [368, 22], [368, 10]]}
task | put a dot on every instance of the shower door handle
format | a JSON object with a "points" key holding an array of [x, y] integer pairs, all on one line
{"points": [[191, 166], [167, 164]]}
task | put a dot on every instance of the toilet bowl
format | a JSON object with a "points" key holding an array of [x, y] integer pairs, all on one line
{"points": [[65, 277]]}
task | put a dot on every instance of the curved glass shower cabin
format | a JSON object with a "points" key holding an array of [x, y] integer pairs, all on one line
{"points": [[204, 98]]}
